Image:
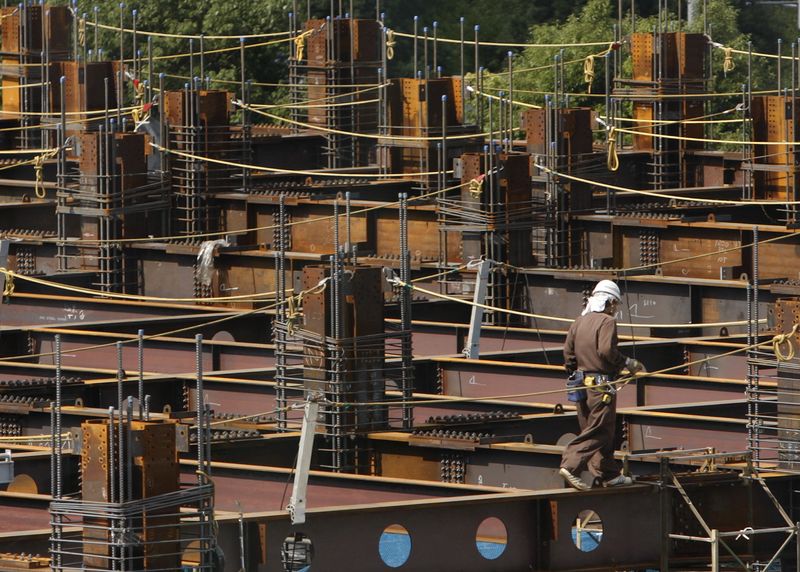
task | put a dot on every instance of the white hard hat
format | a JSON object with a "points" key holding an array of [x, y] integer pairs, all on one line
{"points": [[608, 287]]}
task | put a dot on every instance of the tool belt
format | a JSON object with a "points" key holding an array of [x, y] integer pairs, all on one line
{"points": [[576, 387], [600, 383]]}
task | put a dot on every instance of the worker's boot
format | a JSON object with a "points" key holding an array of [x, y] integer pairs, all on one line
{"points": [[572, 480], [619, 481]]}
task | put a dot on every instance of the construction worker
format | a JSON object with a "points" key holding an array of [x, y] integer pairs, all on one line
{"points": [[592, 359]]}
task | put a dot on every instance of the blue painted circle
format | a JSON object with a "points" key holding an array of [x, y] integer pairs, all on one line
{"points": [[394, 546]]}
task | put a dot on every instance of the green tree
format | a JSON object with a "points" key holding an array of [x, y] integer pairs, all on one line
{"points": [[189, 17], [595, 22]]}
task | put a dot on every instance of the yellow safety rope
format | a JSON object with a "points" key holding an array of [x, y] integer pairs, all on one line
{"points": [[502, 44], [568, 320], [319, 105], [385, 178], [300, 44], [634, 95], [476, 186], [786, 339], [664, 195], [95, 112], [38, 164], [588, 64], [294, 310], [727, 64], [23, 86], [704, 140], [302, 222], [588, 72], [619, 382], [82, 32], [184, 329], [133, 339], [284, 84], [8, 289], [38, 169], [188, 36], [217, 51], [320, 99], [293, 314], [353, 133], [255, 297], [697, 121], [390, 43], [757, 54], [514, 102], [537, 68], [629, 269], [612, 162], [140, 112]]}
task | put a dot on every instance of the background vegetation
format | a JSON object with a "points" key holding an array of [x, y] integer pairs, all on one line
{"points": [[731, 22]]}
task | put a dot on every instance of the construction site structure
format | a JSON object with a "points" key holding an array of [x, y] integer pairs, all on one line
{"points": [[363, 288]]}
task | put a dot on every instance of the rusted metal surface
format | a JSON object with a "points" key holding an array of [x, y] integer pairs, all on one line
{"points": [[684, 55], [21, 515], [44, 310], [543, 384], [538, 525]]}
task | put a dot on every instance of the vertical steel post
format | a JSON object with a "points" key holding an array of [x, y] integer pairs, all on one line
{"points": [[714, 540], [95, 10], [53, 476], [405, 315], [478, 74], [202, 56], [199, 402], [280, 316], [435, 45], [112, 493], [120, 73], [426, 69], [59, 443], [461, 67], [510, 120], [129, 457], [416, 45], [756, 385], [120, 409], [348, 245], [444, 168], [791, 191], [136, 75], [140, 360]]}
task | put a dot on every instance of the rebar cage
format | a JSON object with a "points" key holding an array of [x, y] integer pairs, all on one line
{"points": [[164, 532]]}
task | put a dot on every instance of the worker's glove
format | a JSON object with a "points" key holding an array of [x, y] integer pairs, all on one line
{"points": [[634, 365]]}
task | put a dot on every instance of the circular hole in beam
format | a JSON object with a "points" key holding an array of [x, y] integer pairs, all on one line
{"points": [[394, 545], [587, 531], [491, 538]]}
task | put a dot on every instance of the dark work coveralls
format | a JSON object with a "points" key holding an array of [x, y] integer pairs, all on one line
{"points": [[591, 347]]}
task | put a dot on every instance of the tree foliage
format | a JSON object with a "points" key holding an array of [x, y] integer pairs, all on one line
{"points": [[595, 22], [731, 22]]}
